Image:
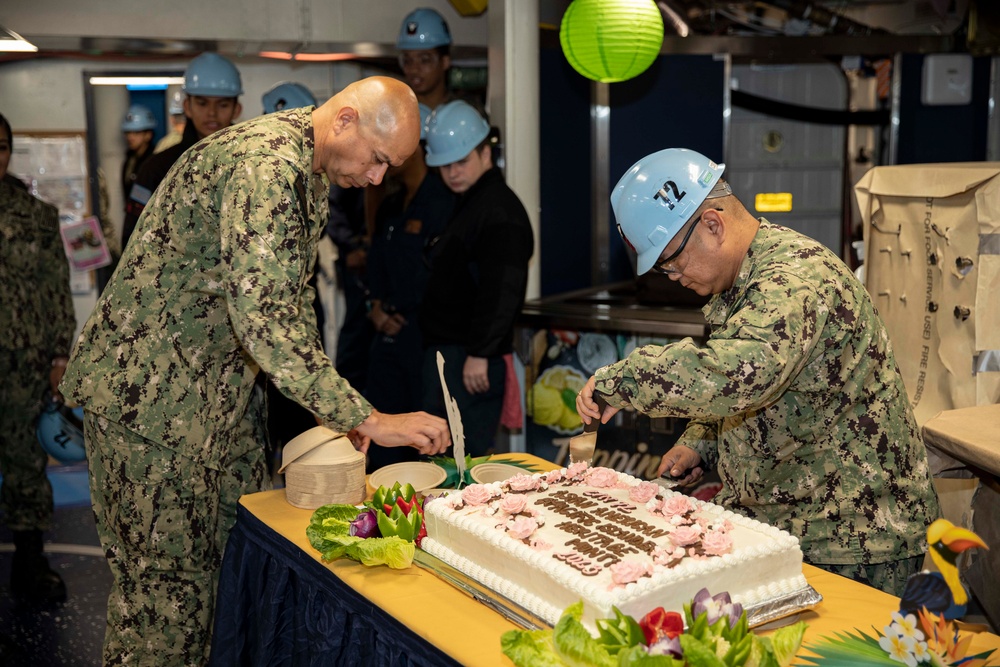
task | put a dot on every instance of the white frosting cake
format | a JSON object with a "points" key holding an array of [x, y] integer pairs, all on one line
{"points": [[547, 540]]}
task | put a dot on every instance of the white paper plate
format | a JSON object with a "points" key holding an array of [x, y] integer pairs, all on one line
{"points": [[485, 473], [421, 474]]}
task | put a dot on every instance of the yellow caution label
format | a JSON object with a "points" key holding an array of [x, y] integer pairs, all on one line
{"points": [[768, 202]]}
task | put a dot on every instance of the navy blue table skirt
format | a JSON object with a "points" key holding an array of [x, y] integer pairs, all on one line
{"points": [[278, 606]]}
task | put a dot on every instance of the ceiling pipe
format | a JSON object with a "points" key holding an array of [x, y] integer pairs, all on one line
{"points": [[834, 23]]}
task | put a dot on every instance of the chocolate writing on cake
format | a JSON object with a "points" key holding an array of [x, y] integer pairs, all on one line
{"points": [[603, 530]]}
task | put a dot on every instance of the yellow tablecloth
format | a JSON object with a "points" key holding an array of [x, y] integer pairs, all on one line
{"points": [[470, 632]]}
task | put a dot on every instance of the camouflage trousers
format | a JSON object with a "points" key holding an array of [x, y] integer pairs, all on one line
{"points": [[26, 494], [163, 521], [889, 577]]}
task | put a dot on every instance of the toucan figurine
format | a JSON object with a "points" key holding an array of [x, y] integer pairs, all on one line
{"points": [[941, 592]]}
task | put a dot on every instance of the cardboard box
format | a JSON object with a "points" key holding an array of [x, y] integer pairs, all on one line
{"points": [[966, 443], [932, 258]]}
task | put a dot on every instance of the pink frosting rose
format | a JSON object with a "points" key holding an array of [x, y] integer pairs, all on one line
{"points": [[521, 527], [576, 469], [629, 571], [683, 536], [554, 477], [716, 543], [513, 504], [677, 505], [643, 492], [522, 482], [602, 478], [476, 494]]}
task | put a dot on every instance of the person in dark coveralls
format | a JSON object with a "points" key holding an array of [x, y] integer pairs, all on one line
{"points": [[212, 86], [211, 291], [37, 318], [415, 213], [137, 126], [479, 273], [795, 397]]}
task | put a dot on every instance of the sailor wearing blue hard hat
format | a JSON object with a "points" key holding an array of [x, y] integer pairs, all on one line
{"points": [[424, 43]]}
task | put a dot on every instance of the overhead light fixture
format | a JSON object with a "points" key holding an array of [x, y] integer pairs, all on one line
{"points": [[137, 81], [11, 41], [306, 57]]}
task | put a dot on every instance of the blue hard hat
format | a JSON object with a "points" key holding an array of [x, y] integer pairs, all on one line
{"points": [[657, 196], [287, 95], [423, 29], [211, 75], [176, 106], [137, 119], [59, 430], [425, 114], [453, 131]]}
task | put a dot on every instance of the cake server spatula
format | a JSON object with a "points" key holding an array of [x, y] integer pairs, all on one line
{"points": [[582, 447]]}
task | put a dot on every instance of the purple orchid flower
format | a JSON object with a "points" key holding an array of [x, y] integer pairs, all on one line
{"points": [[667, 646], [365, 525], [716, 607]]}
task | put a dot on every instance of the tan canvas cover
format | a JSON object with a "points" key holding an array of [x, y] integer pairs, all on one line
{"points": [[932, 257]]}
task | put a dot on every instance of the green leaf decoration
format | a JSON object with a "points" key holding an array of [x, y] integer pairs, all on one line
{"points": [[785, 642], [847, 650], [448, 463], [574, 644], [530, 648], [699, 654]]}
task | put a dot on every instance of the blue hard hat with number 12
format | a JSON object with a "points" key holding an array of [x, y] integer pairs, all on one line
{"points": [[657, 195]]}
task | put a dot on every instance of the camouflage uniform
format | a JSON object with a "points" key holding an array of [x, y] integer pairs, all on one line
{"points": [[211, 290], [796, 398], [37, 321]]}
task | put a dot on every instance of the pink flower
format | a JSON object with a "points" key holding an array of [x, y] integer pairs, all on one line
{"points": [[522, 482], [576, 469], [716, 543], [554, 477], [629, 571], [540, 545], [643, 492], [602, 478], [476, 494], [677, 505], [663, 556], [521, 527], [513, 504], [683, 536]]}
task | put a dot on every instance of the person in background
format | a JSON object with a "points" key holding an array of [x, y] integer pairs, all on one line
{"points": [[212, 86], [37, 318], [349, 232], [287, 95], [177, 121], [137, 126], [424, 44], [795, 397], [211, 292], [478, 277], [415, 213]]}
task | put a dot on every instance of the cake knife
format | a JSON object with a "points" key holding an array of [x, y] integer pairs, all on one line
{"points": [[583, 446]]}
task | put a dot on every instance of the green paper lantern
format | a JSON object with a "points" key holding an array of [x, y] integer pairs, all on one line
{"points": [[611, 40]]}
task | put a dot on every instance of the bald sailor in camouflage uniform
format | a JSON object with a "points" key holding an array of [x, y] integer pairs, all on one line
{"points": [[37, 321], [795, 398], [211, 291]]}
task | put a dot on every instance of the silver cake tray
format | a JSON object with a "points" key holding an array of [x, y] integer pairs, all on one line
{"points": [[757, 615]]}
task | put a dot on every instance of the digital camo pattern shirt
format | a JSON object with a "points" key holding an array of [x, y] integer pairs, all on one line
{"points": [[797, 398], [211, 290], [36, 306]]}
